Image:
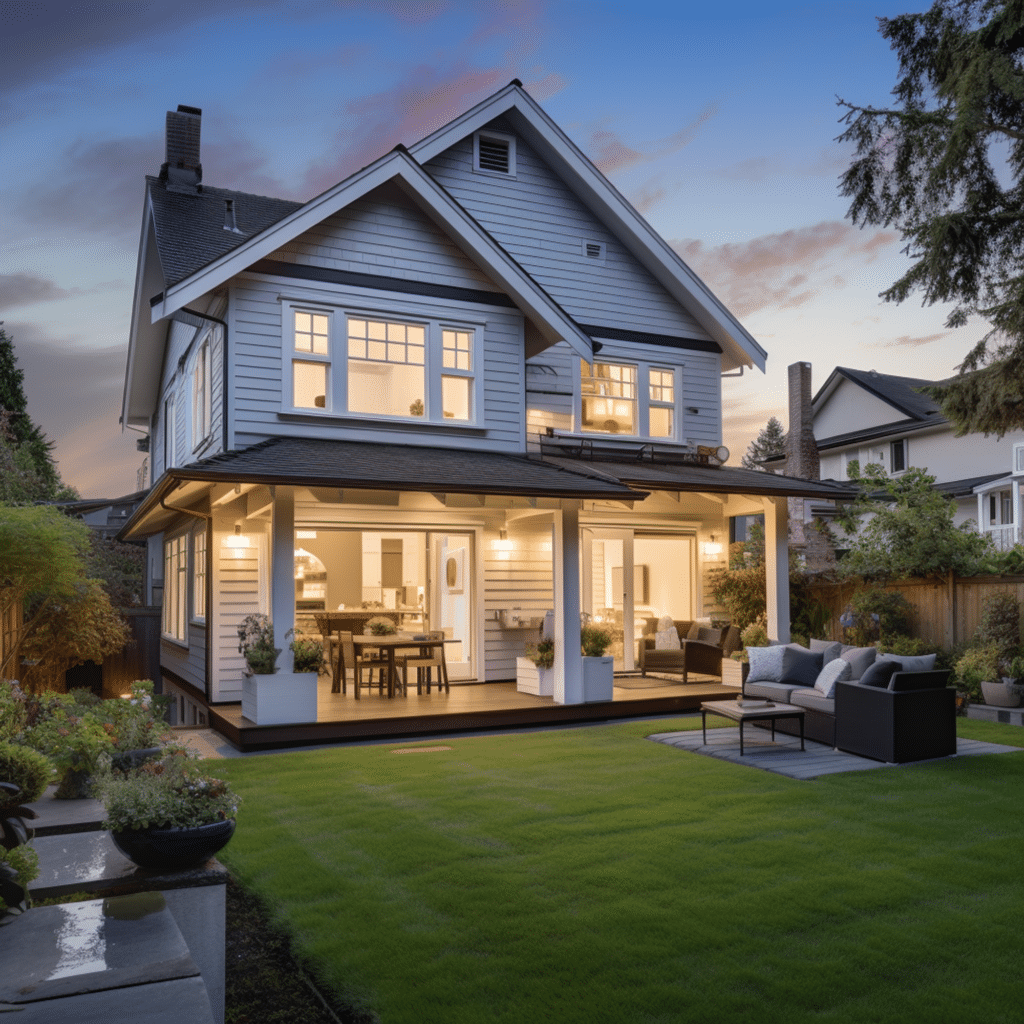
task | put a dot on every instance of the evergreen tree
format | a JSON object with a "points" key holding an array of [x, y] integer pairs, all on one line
{"points": [[943, 165], [27, 470], [770, 441]]}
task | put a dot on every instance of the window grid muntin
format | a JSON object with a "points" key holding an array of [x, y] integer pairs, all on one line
{"points": [[609, 393], [457, 349], [312, 332], [175, 588], [387, 341]]}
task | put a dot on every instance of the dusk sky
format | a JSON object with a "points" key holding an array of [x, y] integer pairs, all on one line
{"points": [[717, 121]]}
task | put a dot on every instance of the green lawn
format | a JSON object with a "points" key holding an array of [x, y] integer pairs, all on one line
{"points": [[591, 875]]}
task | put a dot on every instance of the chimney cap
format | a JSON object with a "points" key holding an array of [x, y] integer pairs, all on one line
{"points": [[183, 109]]}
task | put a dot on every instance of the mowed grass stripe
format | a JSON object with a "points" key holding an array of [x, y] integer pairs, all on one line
{"points": [[591, 875]]}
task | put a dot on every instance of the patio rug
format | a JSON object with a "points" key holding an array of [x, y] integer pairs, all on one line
{"points": [[639, 683]]}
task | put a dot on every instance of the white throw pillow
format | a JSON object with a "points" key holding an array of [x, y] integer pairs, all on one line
{"points": [[835, 671], [666, 640], [665, 622], [765, 664]]}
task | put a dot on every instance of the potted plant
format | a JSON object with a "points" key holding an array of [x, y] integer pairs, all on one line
{"points": [[977, 671], [1009, 692], [308, 653], [535, 673], [598, 669], [381, 625], [270, 697], [168, 814]]}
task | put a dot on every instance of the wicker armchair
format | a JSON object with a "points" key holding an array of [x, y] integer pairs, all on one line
{"points": [[702, 655], [913, 720]]}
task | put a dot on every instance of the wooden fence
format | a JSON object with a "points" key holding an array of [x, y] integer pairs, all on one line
{"points": [[138, 659], [945, 612]]}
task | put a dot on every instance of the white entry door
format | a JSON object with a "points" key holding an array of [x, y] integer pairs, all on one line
{"points": [[451, 588]]}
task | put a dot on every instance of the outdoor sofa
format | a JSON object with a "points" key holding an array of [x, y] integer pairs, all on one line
{"points": [[701, 649], [888, 707]]}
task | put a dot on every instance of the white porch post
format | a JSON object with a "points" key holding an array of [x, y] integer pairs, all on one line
{"points": [[282, 569], [776, 564], [1017, 532], [628, 602], [568, 680]]}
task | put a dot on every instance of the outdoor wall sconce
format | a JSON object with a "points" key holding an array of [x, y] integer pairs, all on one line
{"points": [[711, 548], [503, 546], [237, 540]]}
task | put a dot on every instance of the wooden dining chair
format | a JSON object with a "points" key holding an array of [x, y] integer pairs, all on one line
{"points": [[369, 660], [428, 659]]}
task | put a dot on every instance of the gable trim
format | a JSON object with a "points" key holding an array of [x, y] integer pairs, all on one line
{"points": [[328, 275]]}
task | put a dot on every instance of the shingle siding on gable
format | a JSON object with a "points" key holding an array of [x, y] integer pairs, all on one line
{"points": [[543, 226], [387, 235]]}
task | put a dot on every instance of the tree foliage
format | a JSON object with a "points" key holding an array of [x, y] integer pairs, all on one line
{"points": [[771, 440], [902, 528], [943, 165]]}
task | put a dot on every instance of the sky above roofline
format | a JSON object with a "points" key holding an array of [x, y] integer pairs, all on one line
{"points": [[716, 121]]}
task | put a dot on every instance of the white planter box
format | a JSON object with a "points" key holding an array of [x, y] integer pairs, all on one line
{"points": [[598, 679], [530, 679], [281, 699], [734, 673]]}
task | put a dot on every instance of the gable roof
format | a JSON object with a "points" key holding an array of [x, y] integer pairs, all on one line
{"points": [[610, 207], [902, 393]]}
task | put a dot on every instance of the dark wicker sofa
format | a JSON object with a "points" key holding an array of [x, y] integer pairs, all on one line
{"points": [[701, 650]]}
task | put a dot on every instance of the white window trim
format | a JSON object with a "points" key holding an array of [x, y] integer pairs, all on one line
{"points": [[197, 554], [170, 431], [906, 456], [174, 613], [643, 403], [500, 137], [202, 398], [336, 406]]}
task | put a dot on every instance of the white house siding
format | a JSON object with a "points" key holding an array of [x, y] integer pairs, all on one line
{"points": [[189, 663], [552, 387], [544, 226], [384, 233], [258, 353], [850, 408]]}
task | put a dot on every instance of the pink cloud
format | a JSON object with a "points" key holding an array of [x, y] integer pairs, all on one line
{"points": [[611, 153], [907, 341]]}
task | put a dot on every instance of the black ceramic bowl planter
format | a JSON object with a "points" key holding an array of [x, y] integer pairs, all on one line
{"points": [[174, 849]]}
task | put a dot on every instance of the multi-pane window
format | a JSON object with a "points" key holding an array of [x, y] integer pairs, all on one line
{"points": [[456, 376], [175, 588], [201, 395], [386, 367], [609, 398], [311, 368], [662, 403], [199, 573]]}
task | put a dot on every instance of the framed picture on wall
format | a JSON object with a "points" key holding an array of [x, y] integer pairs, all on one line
{"points": [[454, 560]]}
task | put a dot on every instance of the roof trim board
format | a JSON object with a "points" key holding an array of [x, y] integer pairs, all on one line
{"points": [[611, 207], [396, 166]]}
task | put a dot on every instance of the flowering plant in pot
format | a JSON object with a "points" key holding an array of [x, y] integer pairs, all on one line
{"points": [[595, 641], [381, 625], [168, 814], [308, 653], [542, 653], [256, 645]]}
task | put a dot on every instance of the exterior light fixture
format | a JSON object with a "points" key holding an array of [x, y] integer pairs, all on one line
{"points": [[236, 539]]}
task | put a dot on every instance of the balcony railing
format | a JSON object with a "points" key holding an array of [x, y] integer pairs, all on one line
{"points": [[1004, 537]]}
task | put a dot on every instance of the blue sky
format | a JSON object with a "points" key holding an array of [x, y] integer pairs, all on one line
{"points": [[717, 121]]}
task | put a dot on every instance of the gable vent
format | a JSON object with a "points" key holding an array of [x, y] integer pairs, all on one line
{"points": [[593, 250], [494, 155]]}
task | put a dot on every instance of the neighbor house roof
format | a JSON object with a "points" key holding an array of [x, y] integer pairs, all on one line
{"points": [[902, 393]]}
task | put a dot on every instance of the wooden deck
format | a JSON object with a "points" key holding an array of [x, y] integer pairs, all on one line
{"points": [[467, 707]]}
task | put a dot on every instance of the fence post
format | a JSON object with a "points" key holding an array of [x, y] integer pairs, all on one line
{"points": [[951, 610]]}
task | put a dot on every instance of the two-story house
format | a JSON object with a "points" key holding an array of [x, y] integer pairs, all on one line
{"points": [[467, 385], [881, 418]]}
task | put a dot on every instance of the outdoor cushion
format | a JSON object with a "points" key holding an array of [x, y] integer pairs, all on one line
{"points": [[831, 649], [834, 672], [800, 665], [859, 658], [666, 639], [665, 622], [765, 664], [879, 673], [771, 691], [912, 662], [812, 699], [707, 635], [694, 631]]}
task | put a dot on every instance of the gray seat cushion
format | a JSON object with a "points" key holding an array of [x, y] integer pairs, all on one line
{"points": [[810, 698], [771, 691]]}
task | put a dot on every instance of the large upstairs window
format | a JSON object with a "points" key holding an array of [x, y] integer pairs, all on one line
{"points": [[629, 399], [350, 364]]}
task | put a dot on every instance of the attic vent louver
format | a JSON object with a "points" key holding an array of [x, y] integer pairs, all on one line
{"points": [[494, 154], [230, 221], [593, 250]]}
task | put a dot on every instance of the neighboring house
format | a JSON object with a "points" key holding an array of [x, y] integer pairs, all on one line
{"points": [[880, 418], [468, 384], [104, 515]]}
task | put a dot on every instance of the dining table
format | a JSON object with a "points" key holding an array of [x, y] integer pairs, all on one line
{"points": [[392, 643]]}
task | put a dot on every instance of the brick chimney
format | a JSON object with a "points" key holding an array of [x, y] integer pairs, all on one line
{"points": [[182, 170], [801, 448]]}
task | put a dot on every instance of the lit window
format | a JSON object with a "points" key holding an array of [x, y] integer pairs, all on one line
{"points": [[310, 375], [386, 367], [457, 380], [175, 587], [609, 398], [199, 573], [662, 399]]}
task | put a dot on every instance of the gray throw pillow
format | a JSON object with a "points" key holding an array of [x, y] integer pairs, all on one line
{"points": [[765, 664], [800, 665], [912, 662], [831, 649], [836, 671], [880, 673], [859, 658], [694, 631]]}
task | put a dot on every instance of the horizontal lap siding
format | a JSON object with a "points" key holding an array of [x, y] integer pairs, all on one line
{"points": [[236, 595], [543, 225], [258, 366], [188, 663]]}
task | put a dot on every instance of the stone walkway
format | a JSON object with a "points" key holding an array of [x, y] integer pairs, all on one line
{"points": [[784, 756]]}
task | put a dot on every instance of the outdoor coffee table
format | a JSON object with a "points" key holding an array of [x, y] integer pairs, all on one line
{"points": [[765, 711]]}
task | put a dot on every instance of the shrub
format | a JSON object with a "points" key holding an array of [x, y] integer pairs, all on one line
{"points": [[594, 641], [878, 613], [977, 665], [13, 709], [542, 653], [256, 644], [1000, 624], [308, 653], [134, 722], [28, 769]]}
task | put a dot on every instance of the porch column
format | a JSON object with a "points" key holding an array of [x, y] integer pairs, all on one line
{"points": [[282, 570], [568, 681], [628, 603], [776, 565], [1017, 532]]}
